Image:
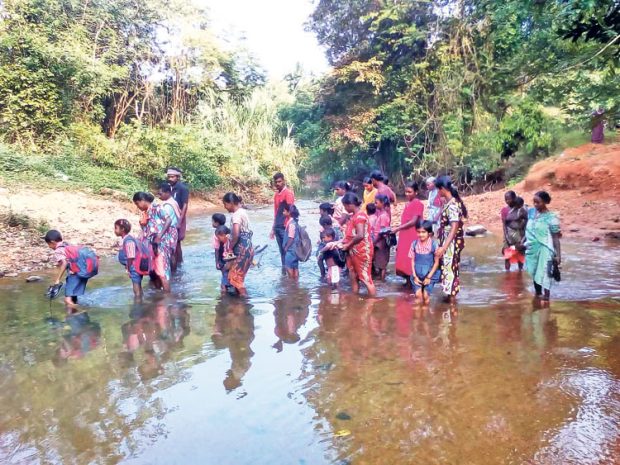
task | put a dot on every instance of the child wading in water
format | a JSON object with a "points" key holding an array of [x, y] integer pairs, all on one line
{"points": [[424, 263], [217, 220], [127, 256], [333, 257], [291, 262], [223, 254], [80, 265]]}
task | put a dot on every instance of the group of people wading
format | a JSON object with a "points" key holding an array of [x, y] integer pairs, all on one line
{"points": [[356, 237], [357, 234]]}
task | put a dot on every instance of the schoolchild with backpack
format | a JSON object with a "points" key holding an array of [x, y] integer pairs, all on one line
{"points": [[298, 246], [135, 254], [79, 262], [291, 234]]}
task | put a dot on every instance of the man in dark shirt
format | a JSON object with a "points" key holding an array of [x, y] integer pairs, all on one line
{"points": [[283, 196], [180, 193]]}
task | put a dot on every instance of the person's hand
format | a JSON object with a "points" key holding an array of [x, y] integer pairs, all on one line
{"points": [[440, 252], [272, 235], [417, 281], [426, 281], [57, 282], [157, 239], [558, 260]]}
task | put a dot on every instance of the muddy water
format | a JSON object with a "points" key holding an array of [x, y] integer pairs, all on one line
{"points": [[299, 375]]}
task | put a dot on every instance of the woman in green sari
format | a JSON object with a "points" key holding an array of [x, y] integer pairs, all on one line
{"points": [[542, 241]]}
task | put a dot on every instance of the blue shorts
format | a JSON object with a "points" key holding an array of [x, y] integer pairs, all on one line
{"points": [[290, 260], [135, 277], [75, 286]]}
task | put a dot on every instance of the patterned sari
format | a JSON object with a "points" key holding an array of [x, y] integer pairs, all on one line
{"points": [[450, 269], [539, 245], [243, 250], [157, 215], [359, 258]]}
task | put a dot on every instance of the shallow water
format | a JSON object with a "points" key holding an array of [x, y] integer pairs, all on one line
{"points": [[300, 375]]}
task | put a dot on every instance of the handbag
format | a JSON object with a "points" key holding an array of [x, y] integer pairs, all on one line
{"points": [[553, 270]]}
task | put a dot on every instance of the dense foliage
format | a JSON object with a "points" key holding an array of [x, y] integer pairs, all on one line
{"points": [[454, 86], [136, 85]]}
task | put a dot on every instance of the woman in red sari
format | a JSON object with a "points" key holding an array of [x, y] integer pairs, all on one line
{"points": [[358, 242], [407, 233]]}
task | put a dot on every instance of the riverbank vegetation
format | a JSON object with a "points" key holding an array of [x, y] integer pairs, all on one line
{"points": [[107, 94], [475, 88]]}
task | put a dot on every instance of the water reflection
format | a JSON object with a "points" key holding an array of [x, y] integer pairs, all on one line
{"points": [[496, 380], [156, 329], [234, 330], [77, 338], [291, 310]]}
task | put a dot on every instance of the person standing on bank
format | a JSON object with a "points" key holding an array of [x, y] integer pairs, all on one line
{"points": [[180, 193], [282, 198]]}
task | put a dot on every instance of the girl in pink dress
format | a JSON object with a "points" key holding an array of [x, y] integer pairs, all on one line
{"points": [[407, 233]]}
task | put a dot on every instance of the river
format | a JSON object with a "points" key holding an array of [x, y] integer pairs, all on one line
{"points": [[300, 375]]}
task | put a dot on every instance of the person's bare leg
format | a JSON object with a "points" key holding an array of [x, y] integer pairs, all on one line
{"points": [[165, 285], [507, 265], [355, 285], [372, 290], [137, 292]]}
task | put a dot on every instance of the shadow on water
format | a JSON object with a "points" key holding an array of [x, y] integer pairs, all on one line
{"points": [[298, 374]]}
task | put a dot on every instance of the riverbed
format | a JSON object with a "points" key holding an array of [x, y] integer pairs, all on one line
{"points": [[298, 374]]}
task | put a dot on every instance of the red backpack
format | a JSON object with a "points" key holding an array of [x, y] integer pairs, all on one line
{"points": [[82, 261], [143, 262]]}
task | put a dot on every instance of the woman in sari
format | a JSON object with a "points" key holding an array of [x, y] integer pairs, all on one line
{"points": [[514, 219], [172, 209], [381, 223], [542, 242], [451, 237], [358, 243], [240, 243], [412, 214], [159, 224]]}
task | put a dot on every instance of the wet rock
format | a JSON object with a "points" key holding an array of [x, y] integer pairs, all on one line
{"points": [[596, 239], [343, 416], [2, 274], [574, 230], [475, 230], [34, 279], [10, 275], [613, 235]]}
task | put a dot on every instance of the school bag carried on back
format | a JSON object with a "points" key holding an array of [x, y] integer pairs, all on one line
{"points": [[143, 261], [83, 262], [303, 250]]}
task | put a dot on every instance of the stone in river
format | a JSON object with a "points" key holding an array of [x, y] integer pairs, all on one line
{"points": [[475, 230], [34, 279], [343, 416]]}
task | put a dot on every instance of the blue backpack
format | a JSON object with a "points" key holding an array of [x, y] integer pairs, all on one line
{"points": [[82, 261]]}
